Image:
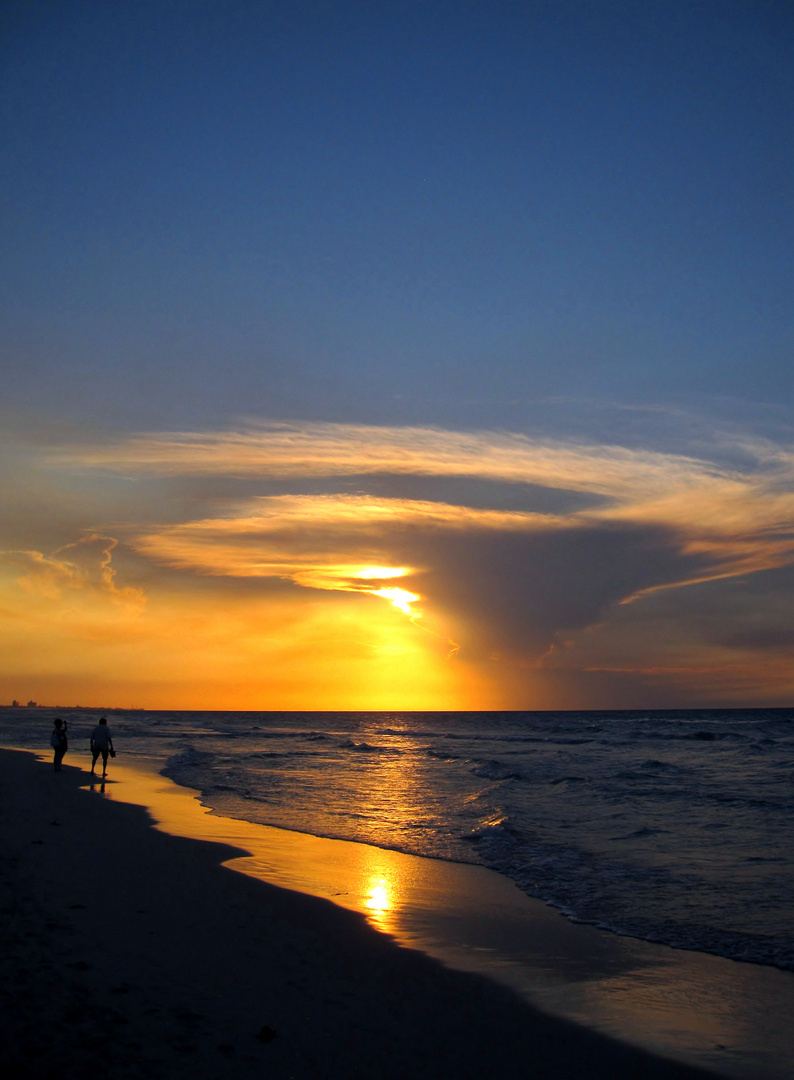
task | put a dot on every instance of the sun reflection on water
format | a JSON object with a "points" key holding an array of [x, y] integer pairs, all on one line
{"points": [[378, 898]]}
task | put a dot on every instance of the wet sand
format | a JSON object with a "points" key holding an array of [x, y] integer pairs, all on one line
{"points": [[131, 952], [700, 1009]]}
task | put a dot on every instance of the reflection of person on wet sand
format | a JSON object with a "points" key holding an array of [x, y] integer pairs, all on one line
{"points": [[59, 743], [101, 743]]}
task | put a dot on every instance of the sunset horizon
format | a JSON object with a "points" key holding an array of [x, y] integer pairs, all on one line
{"points": [[418, 358]]}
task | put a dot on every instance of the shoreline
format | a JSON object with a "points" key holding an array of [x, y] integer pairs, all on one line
{"points": [[474, 919], [187, 966]]}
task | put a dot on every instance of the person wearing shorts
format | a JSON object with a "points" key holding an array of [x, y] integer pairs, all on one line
{"points": [[101, 743]]}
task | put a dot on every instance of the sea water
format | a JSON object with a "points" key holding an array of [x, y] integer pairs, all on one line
{"points": [[671, 826]]}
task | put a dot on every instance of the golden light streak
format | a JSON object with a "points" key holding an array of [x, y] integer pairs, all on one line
{"points": [[400, 598], [344, 577], [368, 573]]}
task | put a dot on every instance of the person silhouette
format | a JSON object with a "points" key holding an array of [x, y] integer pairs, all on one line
{"points": [[101, 743], [58, 742]]}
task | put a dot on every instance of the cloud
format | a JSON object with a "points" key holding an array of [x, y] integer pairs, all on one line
{"points": [[321, 450], [517, 578], [520, 594], [288, 535], [84, 565], [590, 528]]}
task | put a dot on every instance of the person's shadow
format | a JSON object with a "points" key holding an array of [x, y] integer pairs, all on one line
{"points": [[98, 780]]}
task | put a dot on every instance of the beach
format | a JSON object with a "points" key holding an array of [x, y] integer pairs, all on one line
{"points": [[132, 952]]}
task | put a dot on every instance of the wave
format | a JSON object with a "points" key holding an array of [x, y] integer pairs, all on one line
{"points": [[494, 770], [406, 733], [498, 827], [371, 748], [189, 757], [584, 888], [643, 833]]}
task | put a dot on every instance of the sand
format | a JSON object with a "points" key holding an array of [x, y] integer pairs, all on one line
{"points": [[130, 952]]}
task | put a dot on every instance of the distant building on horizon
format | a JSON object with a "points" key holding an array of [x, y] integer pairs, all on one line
{"points": [[32, 705]]}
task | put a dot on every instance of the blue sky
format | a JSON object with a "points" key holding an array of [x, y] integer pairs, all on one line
{"points": [[386, 211], [569, 221]]}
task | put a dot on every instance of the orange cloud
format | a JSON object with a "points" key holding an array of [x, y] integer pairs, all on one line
{"points": [[732, 525]]}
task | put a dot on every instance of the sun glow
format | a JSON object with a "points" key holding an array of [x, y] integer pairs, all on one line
{"points": [[382, 573], [400, 598]]}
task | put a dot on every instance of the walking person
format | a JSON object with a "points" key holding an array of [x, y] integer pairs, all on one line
{"points": [[58, 742], [101, 743]]}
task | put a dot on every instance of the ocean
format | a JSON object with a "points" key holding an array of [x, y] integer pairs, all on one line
{"points": [[670, 826]]}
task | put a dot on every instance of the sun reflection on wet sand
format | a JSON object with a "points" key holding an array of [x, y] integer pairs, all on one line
{"points": [[379, 902], [696, 1008], [378, 897], [386, 890]]}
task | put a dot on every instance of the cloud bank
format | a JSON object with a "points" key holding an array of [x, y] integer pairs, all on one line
{"points": [[619, 524]]}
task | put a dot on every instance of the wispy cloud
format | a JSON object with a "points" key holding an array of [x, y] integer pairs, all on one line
{"points": [[84, 565], [320, 450]]}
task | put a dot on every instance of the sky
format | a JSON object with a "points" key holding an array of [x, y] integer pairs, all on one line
{"points": [[414, 355]]}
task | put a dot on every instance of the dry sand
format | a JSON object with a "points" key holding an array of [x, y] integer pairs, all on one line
{"points": [[128, 952]]}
